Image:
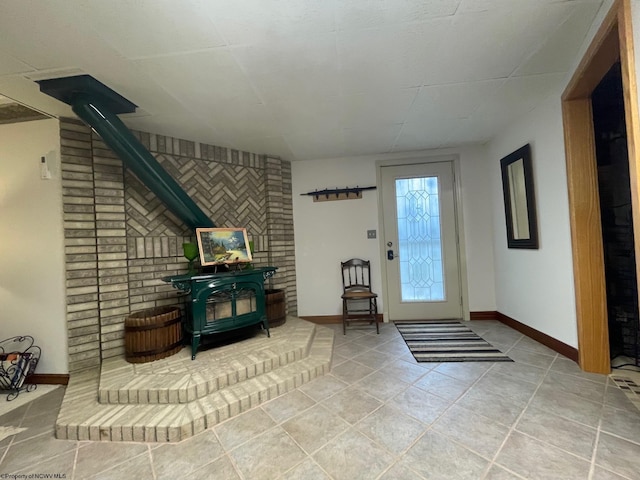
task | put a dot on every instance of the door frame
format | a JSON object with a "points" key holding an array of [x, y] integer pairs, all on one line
{"points": [[454, 159], [612, 42]]}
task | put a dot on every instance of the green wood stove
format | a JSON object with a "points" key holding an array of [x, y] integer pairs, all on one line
{"points": [[223, 301]]}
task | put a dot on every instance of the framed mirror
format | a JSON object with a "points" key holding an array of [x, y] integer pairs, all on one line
{"points": [[519, 199]]}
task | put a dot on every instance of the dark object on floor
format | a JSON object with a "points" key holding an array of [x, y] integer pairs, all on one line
{"points": [[18, 358], [359, 303], [447, 341]]}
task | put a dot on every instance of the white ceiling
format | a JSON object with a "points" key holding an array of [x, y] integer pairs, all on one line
{"points": [[303, 79]]}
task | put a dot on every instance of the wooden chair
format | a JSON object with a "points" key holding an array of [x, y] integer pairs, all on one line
{"points": [[359, 303]]}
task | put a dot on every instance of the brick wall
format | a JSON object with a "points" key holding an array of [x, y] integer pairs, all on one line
{"points": [[120, 240]]}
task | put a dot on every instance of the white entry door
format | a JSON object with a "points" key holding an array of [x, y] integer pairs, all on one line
{"points": [[421, 242]]}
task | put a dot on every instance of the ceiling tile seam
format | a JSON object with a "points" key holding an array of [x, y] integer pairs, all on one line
{"points": [[258, 95], [583, 38], [397, 138], [247, 77], [126, 61], [230, 142], [108, 45], [489, 98], [33, 68], [194, 51], [542, 99], [453, 84], [396, 25], [334, 20], [187, 110], [140, 105], [339, 63], [219, 32], [105, 41], [541, 43]]}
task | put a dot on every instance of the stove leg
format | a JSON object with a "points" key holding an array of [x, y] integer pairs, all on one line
{"points": [[195, 341], [265, 326]]}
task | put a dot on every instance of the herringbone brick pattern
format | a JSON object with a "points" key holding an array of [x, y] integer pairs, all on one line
{"points": [[231, 195], [146, 215]]}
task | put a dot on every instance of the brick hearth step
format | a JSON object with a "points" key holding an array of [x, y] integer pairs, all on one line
{"points": [[178, 379], [174, 398]]}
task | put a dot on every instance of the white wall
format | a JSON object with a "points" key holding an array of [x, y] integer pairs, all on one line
{"points": [[327, 233], [32, 279], [535, 287], [478, 228]]}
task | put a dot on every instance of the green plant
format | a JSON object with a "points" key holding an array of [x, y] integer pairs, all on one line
{"points": [[191, 253]]}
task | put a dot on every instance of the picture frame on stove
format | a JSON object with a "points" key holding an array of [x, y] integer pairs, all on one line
{"points": [[223, 246]]}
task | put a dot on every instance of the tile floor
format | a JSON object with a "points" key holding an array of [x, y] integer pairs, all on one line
{"points": [[379, 415]]}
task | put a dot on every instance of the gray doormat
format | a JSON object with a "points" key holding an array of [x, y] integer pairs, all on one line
{"points": [[447, 341]]}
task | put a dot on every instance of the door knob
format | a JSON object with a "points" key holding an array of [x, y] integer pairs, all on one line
{"points": [[390, 255]]}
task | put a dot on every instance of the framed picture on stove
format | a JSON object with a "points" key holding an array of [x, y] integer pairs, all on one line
{"points": [[219, 246]]}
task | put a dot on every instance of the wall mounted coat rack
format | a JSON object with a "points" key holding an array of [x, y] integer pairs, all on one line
{"points": [[331, 194]]}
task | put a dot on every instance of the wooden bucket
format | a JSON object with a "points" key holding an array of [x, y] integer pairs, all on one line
{"points": [[275, 307], [152, 334]]}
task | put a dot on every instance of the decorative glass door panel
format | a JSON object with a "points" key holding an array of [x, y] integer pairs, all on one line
{"points": [[419, 240], [221, 304]]}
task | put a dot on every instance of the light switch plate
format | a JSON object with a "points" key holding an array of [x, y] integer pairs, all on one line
{"points": [[371, 234]]}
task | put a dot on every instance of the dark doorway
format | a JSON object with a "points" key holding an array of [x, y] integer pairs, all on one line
{"points": [[617, 222]]}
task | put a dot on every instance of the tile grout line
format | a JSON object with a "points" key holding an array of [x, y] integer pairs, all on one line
{"points": [[397, 457], [513, 426], [454, 402], [453, 440], [75, 462], [430, 426], [114, 465], [227, 453], [353, 426], [592, 467], [153, 467], [599, 431]]}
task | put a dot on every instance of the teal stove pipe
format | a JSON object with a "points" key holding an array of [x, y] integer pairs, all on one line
{"points": [[97, 105]]}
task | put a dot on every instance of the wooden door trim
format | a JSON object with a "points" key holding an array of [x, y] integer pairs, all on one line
{"points": [[613, 41], [586, 237]]}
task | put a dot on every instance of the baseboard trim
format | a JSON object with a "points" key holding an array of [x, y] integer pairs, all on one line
{"points": [[48, 379], [327, 319], [488, 315], [554, 344]]}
